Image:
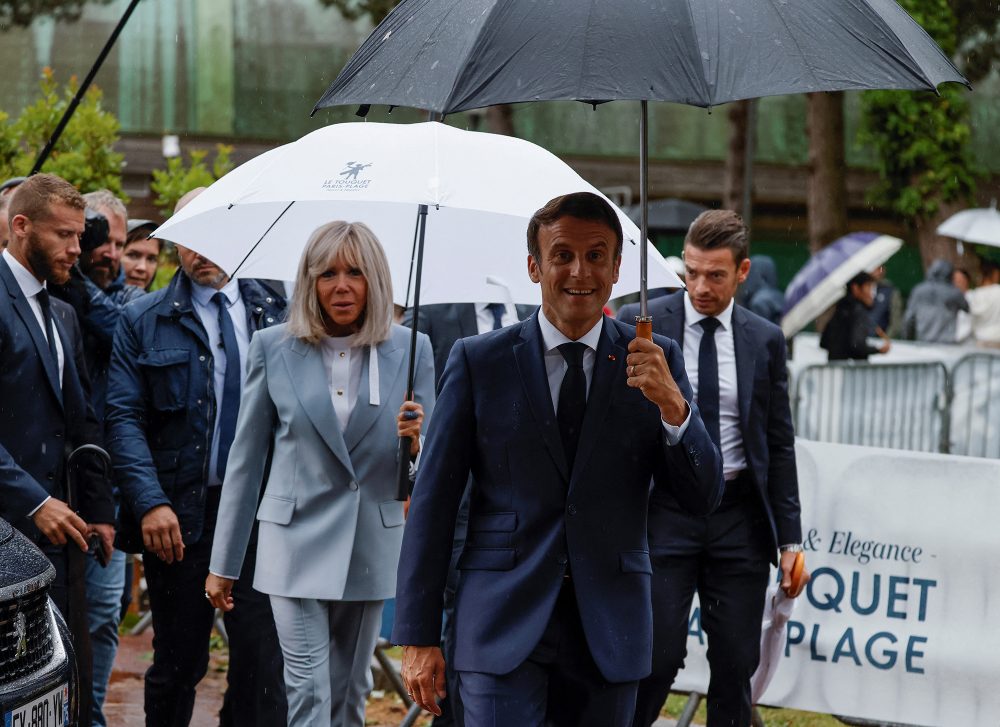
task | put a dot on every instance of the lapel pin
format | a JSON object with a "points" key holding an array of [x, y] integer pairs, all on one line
{"points": [[611, 357]]}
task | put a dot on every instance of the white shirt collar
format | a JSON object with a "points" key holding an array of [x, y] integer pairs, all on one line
{"points": [[203, 294], [26, 281], [691, 316], [552, 337]]}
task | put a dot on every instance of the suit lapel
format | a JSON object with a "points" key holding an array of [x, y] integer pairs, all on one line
{"points": [[608, 369], [530, 360], [309, 380], [745, 363], [673, 319], [363, 416], [23, 309]]}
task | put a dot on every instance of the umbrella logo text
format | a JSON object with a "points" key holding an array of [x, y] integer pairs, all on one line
{"points": [[349, 178]]}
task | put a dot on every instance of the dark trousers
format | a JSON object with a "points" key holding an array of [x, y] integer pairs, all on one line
{"points": [[558, 685], [182, 626], [725, 557]]}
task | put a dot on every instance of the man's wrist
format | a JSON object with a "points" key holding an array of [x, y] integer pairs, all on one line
{"points": [[674, 413]]}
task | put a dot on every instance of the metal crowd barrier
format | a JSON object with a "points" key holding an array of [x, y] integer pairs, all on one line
{"points": [[975, 406], [897, 406]]}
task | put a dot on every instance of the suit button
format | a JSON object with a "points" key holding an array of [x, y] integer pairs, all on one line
{"points": [[353, 485], [562, 559], [50, 476], [197, 448], [201, 358], [58, 435], [571, 509]]}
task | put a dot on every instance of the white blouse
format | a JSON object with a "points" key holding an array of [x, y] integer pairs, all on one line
{"points": [[343, 360]]}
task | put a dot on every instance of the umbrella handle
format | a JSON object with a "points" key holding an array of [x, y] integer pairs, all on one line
{"points": [[644, 327], [798, 569]]}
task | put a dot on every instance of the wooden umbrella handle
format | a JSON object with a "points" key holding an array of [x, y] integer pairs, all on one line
{"points": [[798, 569], [644, 327]]}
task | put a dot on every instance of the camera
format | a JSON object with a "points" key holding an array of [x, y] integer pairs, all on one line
{"points": [[95, 231]]}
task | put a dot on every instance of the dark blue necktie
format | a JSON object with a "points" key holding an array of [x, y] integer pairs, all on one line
{"points": [[708, 378], [46, 306], [497, 309], [231, 388], [572, 399]]}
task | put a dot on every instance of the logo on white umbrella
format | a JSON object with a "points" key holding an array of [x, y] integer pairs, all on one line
{"points": [[350, 178]]}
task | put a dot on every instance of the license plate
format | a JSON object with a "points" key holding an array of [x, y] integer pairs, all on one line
{"points": [[48, 710]]}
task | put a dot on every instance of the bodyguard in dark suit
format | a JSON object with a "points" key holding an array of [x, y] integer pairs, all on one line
{"points": [[561, 420], [736, 361], [173, 397], [44, 399]]}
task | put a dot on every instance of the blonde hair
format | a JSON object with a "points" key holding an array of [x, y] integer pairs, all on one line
{"points": [[357, 245]]}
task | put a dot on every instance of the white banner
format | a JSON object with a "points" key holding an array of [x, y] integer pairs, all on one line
{"points": [[899, 623]]}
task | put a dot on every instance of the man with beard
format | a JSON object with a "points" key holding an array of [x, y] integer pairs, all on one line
{"points": [[173, 397], [45, 391]]}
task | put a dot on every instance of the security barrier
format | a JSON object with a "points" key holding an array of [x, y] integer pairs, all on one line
{"points": [[896, 406], [920, 407]]}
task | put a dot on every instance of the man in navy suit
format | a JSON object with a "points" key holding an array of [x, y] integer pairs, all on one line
{"points": [[736, 362], [562, 420]]}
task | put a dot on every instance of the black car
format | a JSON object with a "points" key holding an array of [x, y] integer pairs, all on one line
{"points": [[38, 678]]}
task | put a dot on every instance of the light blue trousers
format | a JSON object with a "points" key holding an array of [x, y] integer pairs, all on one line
{"points": [[328, 647]]}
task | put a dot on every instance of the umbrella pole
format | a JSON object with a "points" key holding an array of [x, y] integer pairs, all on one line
{"points": [[643, 321], [403, 458]]}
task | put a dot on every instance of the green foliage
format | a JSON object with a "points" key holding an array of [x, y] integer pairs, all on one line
{"points": [[354, 9], [84, 154], [921, 138], [21, 13], [172, 183], [978, 33]]}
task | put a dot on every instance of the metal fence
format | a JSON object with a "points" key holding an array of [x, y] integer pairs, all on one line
{"points": [[921, 407]]}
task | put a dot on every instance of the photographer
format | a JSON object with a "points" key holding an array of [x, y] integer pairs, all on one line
{"points": [[98, 294]]}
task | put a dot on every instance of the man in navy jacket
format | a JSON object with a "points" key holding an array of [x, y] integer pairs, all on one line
{"points": [[166, 400], [562, 420], [741, 381]]}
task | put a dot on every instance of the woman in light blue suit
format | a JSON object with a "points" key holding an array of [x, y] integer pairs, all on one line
{"points": [[320, 401]]}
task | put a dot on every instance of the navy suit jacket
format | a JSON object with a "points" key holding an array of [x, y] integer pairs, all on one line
{"points": [[41, 421], [530, 519], [765, 414], [445, 323]]}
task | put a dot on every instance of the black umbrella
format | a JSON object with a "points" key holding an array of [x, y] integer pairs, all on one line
{"points": [[454, 55]]}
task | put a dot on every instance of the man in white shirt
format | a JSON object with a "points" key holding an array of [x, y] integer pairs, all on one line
{"points": [[736, 362]]}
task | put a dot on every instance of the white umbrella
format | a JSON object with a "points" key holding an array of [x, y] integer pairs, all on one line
{"points": [[777, 610], [980, 225], [480, 190]]}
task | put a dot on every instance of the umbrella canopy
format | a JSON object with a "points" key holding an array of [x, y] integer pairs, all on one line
{"points": [[455, 55], [481, 190], [822, 281], [777, 610], [667, 215], [976, 225]]}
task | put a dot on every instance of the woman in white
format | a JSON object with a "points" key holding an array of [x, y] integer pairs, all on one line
{"points": [[318, 430]]}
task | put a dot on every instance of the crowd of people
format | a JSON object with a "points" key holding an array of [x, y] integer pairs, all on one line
{"points": [[573, 484]]}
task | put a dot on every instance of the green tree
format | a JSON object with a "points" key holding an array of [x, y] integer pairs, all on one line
{"points": [[21, 13], [921, 141], [172, 183], [84, 154]]}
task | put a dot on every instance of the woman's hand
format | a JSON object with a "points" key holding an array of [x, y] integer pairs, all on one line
{"points": [[219, 592], [409, 421]]}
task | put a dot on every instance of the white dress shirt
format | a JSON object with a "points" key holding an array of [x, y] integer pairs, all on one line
{"points": [[484, 317], [555, 366], [30, 287], [208, 314], [733, 458], [343, 360]]}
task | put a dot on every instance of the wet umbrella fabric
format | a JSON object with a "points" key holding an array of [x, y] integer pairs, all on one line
{"points": [[481, 190], [981, 226], [455, 55], [823, 279]]}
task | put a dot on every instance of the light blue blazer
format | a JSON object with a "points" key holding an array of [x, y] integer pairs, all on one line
{"points": [[330, 526]]}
